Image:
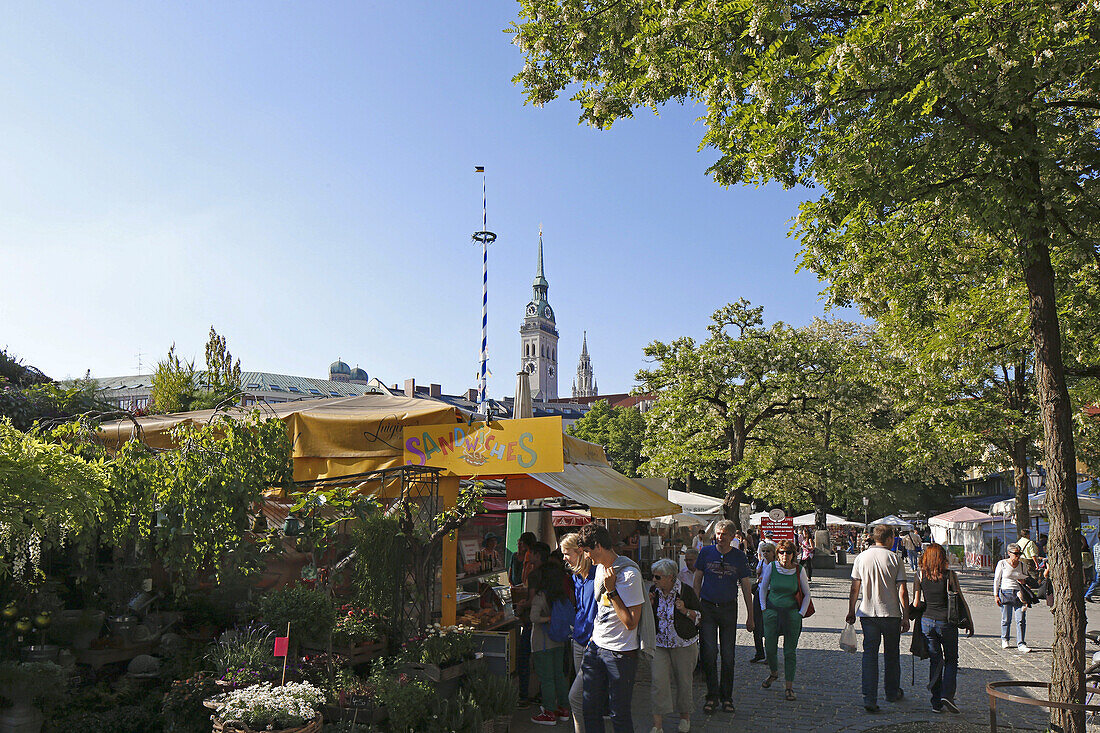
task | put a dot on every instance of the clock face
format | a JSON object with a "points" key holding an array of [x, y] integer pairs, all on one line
{"points": [[547, 313], [529, 367], [550, 371], [531, 310]]}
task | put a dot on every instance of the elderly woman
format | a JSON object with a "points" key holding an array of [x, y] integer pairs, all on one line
{"points": [[677, 611], [1008, 582], [779, 585], [767, 556], [584, 578]]}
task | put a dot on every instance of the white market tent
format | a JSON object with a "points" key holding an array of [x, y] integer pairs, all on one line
{"points": [[700, 505], [892, 520], [964, 528], [754, 519], [683, 519], [831, 520], [1037, 502]]}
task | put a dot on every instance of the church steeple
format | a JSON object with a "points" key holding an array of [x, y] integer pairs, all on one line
{"points": [[585, 383], [539, 338]]}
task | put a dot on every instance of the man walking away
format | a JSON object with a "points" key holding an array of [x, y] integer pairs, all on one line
{"points": [[912, 544], [883, 614], [611, 658], [721, 567]]}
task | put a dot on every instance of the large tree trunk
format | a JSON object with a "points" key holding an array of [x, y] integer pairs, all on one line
{"points": [[1063, 550], [1020, 484]]}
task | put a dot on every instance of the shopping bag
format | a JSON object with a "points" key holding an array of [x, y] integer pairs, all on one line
{"points": [[848, 639]]}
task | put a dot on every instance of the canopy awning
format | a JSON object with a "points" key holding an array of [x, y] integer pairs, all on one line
{"points": [[961, 516], [700, 505], [831, 520], [607, 493], [683, 519], [892, 520], [1088, 502], [571, 518]]}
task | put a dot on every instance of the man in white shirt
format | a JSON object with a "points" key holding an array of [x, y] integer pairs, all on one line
{"points": [[883, 614], [700, 540], [687, 575], [611, 657]]}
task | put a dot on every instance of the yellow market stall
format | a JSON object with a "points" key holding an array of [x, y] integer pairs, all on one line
{"points": [[342, 437]]}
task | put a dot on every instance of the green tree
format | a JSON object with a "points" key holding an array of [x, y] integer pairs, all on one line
{"points": [[619, 430], [715, 398], [178, 387], [173, 387], [50, 498], [906, 117], [27, 396]]}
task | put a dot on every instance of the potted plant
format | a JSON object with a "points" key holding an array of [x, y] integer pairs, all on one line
{"points": [[182, 709], [352, 698], [443, 651], [496, 696], [359, 632], [408, 701], [292, 708], [309, 613], [28, 688], [242, 656]]}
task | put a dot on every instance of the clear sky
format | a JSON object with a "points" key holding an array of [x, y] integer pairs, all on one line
{"points": [[300, 175]]}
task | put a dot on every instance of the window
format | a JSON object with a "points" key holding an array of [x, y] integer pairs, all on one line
{"points": [[249, 401], [254, 385], [295, 389], [315, 391], [334, 393], [275, 388]]}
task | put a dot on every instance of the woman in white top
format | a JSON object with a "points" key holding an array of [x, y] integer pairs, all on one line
{"points": [[1008, 580], [779, 585]]}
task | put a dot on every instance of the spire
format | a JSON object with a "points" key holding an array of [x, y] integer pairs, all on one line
{"points": [[539, 273], [584, 345]]}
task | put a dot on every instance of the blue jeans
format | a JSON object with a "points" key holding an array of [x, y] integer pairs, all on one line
{"points": [[887, 630], [943, 651], [912, 560], [1095, 583], [1013, 611], [608, 675], [719, 625]]}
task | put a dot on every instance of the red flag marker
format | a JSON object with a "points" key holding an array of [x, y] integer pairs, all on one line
{"points": [[282, 643]]}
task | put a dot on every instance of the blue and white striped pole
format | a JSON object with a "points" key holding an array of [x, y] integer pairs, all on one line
{"points": [[485, 237]]}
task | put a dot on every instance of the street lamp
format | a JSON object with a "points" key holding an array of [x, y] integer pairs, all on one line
{"points": [[866, 501]]}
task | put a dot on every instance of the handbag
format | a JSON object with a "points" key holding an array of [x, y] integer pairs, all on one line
{"points": [[957, 614], [799, 596]]}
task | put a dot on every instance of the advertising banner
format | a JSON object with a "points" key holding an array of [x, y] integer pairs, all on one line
{"points": [[532, 445]]}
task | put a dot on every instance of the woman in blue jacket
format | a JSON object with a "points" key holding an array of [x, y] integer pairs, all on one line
{"points": [[584, 581]]}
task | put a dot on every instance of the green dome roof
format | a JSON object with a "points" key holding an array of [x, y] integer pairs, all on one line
{"points": [[339, 367]]}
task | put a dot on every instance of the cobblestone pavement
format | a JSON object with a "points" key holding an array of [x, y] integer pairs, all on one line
{"points": [[828, 680]]}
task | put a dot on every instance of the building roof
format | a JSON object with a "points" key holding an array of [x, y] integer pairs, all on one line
{"points": [[251, 382], [339, 367]]}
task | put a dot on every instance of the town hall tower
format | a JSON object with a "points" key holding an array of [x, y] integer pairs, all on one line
{"points": [[539, 339]]}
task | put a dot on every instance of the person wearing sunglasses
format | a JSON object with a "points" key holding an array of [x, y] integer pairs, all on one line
{"points": [[779, 587], [676, 612], [1008, 583]]}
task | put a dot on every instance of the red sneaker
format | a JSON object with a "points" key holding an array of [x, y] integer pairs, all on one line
{"points": [[564, 714], [545, 717]]}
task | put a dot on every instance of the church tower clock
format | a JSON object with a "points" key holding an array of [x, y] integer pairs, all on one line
{"points": [[539, 339]]}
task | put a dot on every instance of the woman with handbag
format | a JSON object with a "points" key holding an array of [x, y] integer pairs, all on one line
{"points": [[780, 587], [677, 611], [806, 552], [940, 599], [1009, 583]]}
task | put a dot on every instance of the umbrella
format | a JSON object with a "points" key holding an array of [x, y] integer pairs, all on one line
{"points": [[569, 518], [892, 520], [684, 519]]}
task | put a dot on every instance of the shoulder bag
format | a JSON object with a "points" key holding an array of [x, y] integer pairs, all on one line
{"points": [[958, 615], [799, 597]]}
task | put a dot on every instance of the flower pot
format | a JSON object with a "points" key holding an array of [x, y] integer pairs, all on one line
{"points": [[313, 726], [21, 718]]}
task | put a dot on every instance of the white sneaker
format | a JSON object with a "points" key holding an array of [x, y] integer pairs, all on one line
{"points": [[684, 727], [1023, 648], [1004, 643]]}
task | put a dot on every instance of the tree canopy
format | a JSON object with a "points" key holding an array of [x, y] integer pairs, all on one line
{"points": [[179, 387], [943, 134], [619, 430]]}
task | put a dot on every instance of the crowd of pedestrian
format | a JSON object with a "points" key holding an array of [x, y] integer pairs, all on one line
{"points": [[687, 618]]}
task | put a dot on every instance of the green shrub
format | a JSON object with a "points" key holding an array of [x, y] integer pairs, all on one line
{"points": [[182, 707], [309, 613]]}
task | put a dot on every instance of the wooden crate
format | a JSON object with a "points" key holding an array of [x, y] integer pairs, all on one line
{"points": [[498, 649]]}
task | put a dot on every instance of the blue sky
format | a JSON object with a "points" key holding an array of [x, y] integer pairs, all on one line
{"points": [[300, 175]]}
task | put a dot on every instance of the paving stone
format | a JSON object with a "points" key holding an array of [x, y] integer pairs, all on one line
{"points": [[827, 683]]}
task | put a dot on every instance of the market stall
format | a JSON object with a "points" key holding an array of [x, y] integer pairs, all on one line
{"points": [[965, 529], [892, 520]]}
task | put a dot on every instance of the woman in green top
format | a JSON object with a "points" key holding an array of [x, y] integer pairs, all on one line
{"points": [[779, 586]]}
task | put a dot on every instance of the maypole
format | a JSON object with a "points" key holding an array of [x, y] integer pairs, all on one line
{"points": [[485, 238]]}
